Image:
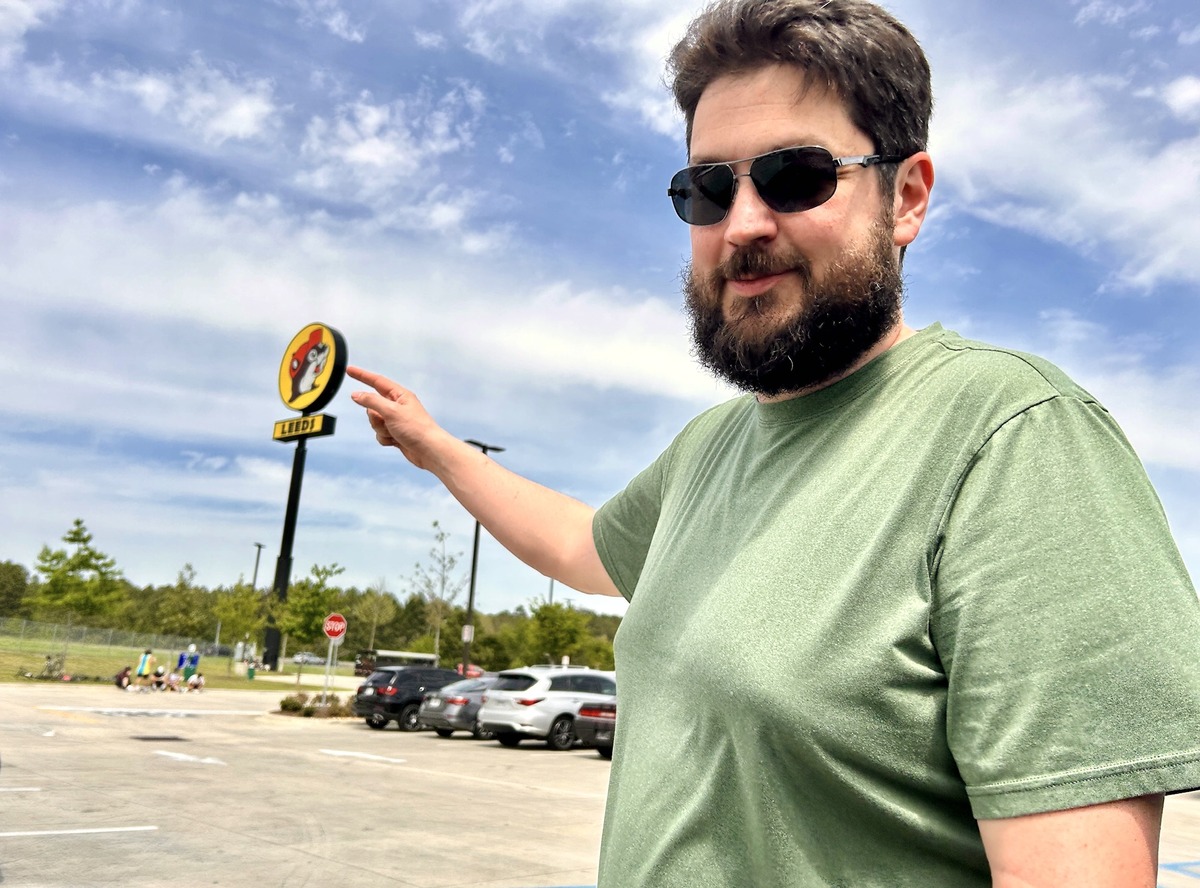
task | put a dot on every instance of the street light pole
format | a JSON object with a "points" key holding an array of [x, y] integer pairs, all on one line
{"points": [[469, 626], [257, 555]]}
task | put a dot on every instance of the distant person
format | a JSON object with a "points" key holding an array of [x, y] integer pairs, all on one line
{"points": [[123, 678], [173, 681], [195, 682], [160, 679], [145, 668], [188, 662]]}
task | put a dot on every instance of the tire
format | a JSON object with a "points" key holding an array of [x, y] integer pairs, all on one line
{"points": [[605, 752], [479, 732], [562, 734], [443, 732], [408, 718], [508, 739], [377, 720]]}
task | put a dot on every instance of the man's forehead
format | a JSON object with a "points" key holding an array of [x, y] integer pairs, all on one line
{"points": [[773, 106]]}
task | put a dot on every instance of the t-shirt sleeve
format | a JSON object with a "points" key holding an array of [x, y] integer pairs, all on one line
{"points": [[1065, 620], [624, 526]]}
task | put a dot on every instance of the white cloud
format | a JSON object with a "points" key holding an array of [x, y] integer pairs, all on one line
{"points": [[1183, 98], [429, 40], [219, 108], [1059, 157], [1108, 13], [369, 147], [329, 14], [1189, 38], [17, 18]]}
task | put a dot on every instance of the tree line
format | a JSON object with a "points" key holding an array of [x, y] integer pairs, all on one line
{"points": [[80, 584]]}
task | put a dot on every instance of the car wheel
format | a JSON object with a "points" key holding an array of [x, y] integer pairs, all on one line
{"points": [[479, 732], [562, 734], [408, 718], [508, 739], [443, 732], [605, 751], [377, 720]]}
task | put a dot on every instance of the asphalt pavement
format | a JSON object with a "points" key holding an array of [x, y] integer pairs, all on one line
{"points": [[104, 788]]}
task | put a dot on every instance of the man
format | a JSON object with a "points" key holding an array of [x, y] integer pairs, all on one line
{"points": [[908, 613]]}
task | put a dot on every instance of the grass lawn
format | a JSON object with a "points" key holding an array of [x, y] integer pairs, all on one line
{"points": [[88, 661]]}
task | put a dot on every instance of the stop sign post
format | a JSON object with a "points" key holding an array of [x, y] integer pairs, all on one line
{"points": [[335, 630]]}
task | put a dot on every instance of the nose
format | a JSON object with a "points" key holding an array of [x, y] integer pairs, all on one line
{"points": [[749, 219]]}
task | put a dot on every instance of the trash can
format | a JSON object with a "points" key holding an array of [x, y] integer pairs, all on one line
{"points": [[250, 672]]}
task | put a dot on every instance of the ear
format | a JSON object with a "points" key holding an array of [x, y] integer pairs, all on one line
{"points": [[914, 181]]}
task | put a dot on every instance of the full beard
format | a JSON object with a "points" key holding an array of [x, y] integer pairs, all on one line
{"points": [[840, 317]]}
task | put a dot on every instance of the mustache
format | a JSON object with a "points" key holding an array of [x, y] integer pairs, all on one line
{"points": [[754, 262]]}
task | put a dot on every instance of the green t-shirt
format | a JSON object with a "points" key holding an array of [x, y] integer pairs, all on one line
{"points": [[941, 589]]}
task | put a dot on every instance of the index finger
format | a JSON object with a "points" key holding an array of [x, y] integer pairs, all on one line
{"points": [[381, 384]]}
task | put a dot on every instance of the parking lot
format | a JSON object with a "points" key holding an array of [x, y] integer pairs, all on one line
{"points": [[99, 787]]}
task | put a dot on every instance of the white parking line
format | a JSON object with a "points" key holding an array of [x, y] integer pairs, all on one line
{"points": [[75, 832], [168, 713], [363, 755], [184, 757], [20, 789]]}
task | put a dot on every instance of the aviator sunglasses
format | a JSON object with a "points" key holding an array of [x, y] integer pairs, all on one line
{"points": [[790, 180]]}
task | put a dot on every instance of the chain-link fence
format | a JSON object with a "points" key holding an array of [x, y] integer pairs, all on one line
{"points": [[59, 636]]}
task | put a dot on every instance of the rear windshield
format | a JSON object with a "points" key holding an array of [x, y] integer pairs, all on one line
{"points": [[465, 687], [380, 677], [514, 682]]}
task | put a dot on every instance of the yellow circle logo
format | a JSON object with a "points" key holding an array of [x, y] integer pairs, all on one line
{"points": [[312, 368]]}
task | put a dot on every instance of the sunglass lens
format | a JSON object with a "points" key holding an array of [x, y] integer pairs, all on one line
{"points": [[795, 179], [702, 195]]}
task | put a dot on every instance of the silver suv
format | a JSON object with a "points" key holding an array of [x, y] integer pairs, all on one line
{"points": [[541, 702]]}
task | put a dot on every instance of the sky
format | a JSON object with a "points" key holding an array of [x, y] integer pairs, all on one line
{"points": [[472, 192]]}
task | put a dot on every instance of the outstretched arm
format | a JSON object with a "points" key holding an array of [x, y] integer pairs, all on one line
{"points": [[550, 532]]}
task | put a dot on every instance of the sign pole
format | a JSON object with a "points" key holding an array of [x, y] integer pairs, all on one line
{"points": [[312, 369], [283, 565]]}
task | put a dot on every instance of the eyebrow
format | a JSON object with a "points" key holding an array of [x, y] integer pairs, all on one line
{"points": [[803, 142]]}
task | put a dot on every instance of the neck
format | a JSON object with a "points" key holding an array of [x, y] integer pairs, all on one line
{"points": [[893, 337]]}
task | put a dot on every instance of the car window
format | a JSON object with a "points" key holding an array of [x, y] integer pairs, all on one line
{"points": [[380, 676], [562, 683], [591, 684], [601, 684], [468, 686], [515, 682]]}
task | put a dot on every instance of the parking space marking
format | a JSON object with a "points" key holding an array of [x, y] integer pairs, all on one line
{"points": [[161, 713], [184, 757], [76, 832], [20, 789], [341, 753]]}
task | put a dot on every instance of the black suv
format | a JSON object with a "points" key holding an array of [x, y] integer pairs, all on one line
{"points": [[393, 693]]}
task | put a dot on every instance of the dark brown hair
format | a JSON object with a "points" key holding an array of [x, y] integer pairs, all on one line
{"points": [[852, 47]]}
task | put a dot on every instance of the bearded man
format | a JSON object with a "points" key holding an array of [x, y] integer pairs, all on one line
{"points": [[908, 613]]}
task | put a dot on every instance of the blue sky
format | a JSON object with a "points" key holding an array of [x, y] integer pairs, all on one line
{"points": [[473, 193]]}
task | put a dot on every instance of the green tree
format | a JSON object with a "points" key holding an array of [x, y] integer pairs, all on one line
{"points": [[14, 584], [240, 610], [309, 602], [438, 582], [183, 609], [376, 607], [82, 583], [556, 632]]}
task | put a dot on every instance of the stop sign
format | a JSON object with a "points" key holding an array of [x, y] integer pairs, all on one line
{"points": [[335, 626]]}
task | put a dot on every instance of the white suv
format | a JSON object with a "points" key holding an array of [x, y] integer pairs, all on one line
{"points": [[541, 702]]}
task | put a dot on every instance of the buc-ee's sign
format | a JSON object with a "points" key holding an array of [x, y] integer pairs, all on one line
{"points": [[310, 374]]}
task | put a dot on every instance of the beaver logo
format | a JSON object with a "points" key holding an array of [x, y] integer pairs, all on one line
{"points": [[308, 363], [312, 367]]}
